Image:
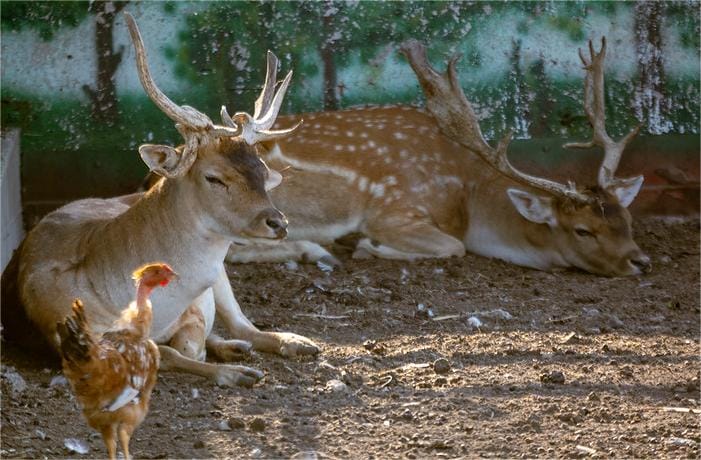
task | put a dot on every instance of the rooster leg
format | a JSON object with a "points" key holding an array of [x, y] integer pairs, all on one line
{"points": [[222, 374], [124, 436], [108, 436]]}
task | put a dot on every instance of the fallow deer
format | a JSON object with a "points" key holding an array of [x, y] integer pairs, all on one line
{"points": [[214, 191], [422, 186]]}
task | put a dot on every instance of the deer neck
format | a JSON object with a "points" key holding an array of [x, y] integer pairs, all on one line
{"points": [[165, 225], [496, 229]]}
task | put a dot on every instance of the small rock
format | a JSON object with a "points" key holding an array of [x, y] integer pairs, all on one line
{"points": [[324, 266], [614, 322], [15, 381], [571, 339], [665, 259], [407, 415], [584, 450], [474, 321], [236, 423], [424, 312], [223, 425], [257, 425], [255, 453], [195, 393], [199, 444], [555, 377], [593, 397], [441, 366], [440, 381], [336, 386], [404, 276], [497, 313], [291, 265], [440, 444], [374, 346], [352, 379], [674, 441], [40, 434], [76, 445], [307, 455], [58, 381]]}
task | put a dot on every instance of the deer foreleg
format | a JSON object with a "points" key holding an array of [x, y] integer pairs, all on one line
{"points": [[408, 241], [221, 374], [300, 251], [228, 309]]}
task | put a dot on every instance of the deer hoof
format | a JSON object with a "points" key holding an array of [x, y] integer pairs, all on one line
{"points": [[242, 376], [296, 345], [232, 350]]}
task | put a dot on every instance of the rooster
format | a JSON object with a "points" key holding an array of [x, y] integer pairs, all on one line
{"points": [[113, 375]]}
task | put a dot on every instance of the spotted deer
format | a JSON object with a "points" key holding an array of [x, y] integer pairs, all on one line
{"points": [[214, 192], [419, 184]]}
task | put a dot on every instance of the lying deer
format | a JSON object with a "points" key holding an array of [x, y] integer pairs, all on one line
{"points": [[421, 186], [214, 192]]}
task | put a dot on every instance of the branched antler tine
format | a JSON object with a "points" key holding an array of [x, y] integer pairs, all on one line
{"points": [[595, 108], [447, 103], [613, 152], [226, 118], [267, 120], [445, 98], [269, 135], [500, 161], [582, 58], [190, 117], [266, 94]]}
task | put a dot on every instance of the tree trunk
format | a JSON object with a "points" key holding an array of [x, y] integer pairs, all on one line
{"points": [[104, 95], [327, 59], [518, 99], [651, 105]]}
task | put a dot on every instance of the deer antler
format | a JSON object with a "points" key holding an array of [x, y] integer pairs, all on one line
{"points": [[188, 117], [257, 128], [595, 110], [446, 101]]}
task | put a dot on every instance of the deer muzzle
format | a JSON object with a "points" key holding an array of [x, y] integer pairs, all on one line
{"points": [[269, 224]]}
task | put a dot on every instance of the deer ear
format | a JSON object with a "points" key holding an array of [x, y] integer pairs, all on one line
{"points": [[274, 179], [161, 159], [626, 189], [538, 209]]}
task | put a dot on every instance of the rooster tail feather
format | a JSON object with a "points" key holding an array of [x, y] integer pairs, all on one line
{"points": [[75, 334]]}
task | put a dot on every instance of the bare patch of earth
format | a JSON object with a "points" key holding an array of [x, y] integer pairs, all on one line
{"points": [[500, 361]]}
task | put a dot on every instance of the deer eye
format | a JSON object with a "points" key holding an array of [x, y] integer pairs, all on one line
{"points": [[583, 232], [215, 181]]}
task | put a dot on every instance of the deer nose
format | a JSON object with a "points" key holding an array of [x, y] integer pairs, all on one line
{"points": [[276, 222], [642, 262]]}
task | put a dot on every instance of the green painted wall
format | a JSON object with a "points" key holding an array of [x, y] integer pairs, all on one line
{"points": [[519, 66]]}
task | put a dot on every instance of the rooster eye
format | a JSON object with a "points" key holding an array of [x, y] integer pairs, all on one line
{"points": [[214, 180], [583, 232]]}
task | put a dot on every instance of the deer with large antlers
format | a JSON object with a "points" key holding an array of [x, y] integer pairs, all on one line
{"points": [[214, 192], [421, 186]]}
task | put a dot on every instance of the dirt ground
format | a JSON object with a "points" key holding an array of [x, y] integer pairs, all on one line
{"points": [[500, 361]]}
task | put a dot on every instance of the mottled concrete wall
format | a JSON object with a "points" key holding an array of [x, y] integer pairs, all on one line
{"points": [[519, 66]]}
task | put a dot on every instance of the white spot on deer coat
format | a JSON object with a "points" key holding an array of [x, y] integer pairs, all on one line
{"points": [[362, 183], [377, 190], [276, 154], [400, 136], [390, 180]]}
